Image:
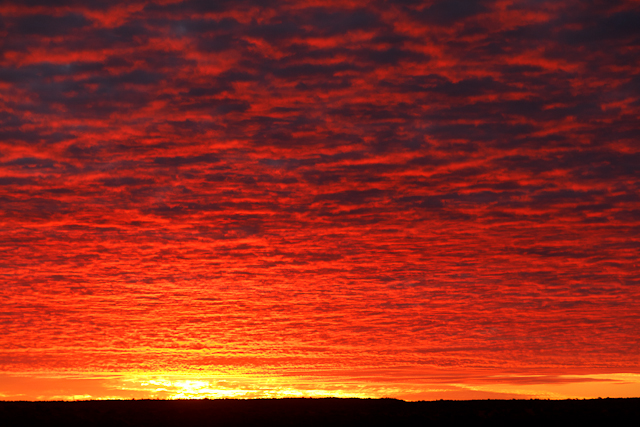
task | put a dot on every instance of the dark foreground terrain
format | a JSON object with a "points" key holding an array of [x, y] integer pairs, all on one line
{"points": [[318, 412]]}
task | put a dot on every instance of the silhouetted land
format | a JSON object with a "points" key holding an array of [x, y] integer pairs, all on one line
{"points": [[319, 412]]}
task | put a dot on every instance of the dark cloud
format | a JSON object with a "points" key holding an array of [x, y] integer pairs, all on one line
{"points": [[186, 160], [49, 26], [64, 3], [352, 196], [31, 163], [451, 11], [340, 22], [620, 26], [15, 180], [125, 181]]}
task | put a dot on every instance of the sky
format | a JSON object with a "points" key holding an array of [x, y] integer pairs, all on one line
{"points": [[410, 199]]}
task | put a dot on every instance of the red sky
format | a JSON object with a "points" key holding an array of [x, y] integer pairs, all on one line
{"points": [[412, 199]]}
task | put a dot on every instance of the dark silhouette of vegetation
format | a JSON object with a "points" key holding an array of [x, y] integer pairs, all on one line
{"points": [[319, 412]]}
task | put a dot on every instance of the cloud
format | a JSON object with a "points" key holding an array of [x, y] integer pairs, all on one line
{"points": [[399, 183]]}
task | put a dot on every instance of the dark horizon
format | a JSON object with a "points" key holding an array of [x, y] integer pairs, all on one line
{"points": [[314, 411]]}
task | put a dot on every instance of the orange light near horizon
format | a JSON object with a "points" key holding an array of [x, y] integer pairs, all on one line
{"points": [[190, 386]]}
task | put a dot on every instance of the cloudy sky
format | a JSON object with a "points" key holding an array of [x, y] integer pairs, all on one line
{"points": [[410, 199]]}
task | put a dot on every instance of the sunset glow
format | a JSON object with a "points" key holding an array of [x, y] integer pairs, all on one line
{"points": [[245, 199], [440, 385]]}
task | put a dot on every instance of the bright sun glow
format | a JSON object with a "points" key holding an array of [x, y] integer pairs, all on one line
{"points": [[177, 387]]}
